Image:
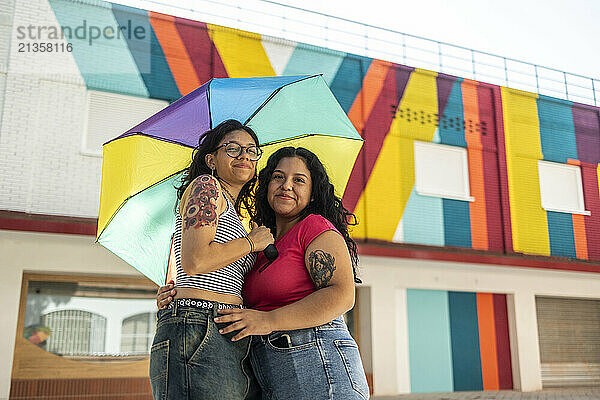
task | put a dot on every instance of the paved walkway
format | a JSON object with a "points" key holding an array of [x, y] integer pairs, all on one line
{"points": [[548, 394]]}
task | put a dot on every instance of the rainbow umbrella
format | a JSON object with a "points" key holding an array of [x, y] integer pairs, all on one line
{"points": [[141, 167]]}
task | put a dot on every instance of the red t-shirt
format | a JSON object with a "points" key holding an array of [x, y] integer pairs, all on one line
{"points": [[286, 280]]}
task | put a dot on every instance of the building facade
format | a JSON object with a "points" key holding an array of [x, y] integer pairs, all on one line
{"points": [[478, 206]]}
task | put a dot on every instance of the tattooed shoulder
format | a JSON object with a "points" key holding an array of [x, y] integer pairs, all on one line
{"points": [[320, 267], [201, 206]]}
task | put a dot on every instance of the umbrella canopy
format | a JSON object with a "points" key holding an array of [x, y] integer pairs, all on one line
{"points": [[141, 167]]}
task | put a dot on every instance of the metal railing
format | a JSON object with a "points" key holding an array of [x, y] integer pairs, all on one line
{"points": [[296, 24]]}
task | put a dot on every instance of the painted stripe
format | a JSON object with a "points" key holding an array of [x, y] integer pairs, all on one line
{"points": [[560, 231], [523, 150], [371, 88], [377, 126], [557, 137], [505, 380], [491, 172], [422, 221], [429, 341], [117, 71], [457, 225], [348, 79], [242, 52], [451, 125], [477, 209], [307, 59], [279, 52], [487, 341], [498, 118], [587, 126], [202, 52], [152, 64], [445, 83], [464, 336], [175, 52], [578, 222], [589, 176], [395, 161], [557, 133], [580, 236]]}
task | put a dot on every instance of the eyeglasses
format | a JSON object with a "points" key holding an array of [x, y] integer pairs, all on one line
{"points": [[234, 150]]}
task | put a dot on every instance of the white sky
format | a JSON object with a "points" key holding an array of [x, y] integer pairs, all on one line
{"points": [[561, 34]]}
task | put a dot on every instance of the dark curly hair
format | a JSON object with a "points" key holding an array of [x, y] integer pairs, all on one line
{"points": [[207, 143], [324, 201]]}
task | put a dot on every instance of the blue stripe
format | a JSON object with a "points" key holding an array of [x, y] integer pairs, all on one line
{"points": [[557, 130], [152, 64], [348, 80], [457, 223], [560, 230], [451, 127], [429, 341], [464, 336]]}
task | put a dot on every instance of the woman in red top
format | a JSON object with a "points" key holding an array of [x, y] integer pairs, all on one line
{"points": [[301, 348]]}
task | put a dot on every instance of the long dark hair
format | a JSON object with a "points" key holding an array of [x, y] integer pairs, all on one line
{"points": [[208, 143], [324, 201]]}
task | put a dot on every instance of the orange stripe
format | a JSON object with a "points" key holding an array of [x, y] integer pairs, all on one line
{"points": [[371, 87], [487, 341], [579, 234], [175, 52], [477, 208]]}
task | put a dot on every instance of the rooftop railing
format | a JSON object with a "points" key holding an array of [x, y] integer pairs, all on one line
{"points": [[296, 24]]}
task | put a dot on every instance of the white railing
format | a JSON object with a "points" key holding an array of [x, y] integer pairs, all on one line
{"points": [[293, 23]]}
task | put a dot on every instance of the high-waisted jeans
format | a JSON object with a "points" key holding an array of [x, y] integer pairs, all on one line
{"points": [[314, 364], [190, 359]]}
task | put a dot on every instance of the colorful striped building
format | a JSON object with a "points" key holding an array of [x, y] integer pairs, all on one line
{"points": [[459, 287]]}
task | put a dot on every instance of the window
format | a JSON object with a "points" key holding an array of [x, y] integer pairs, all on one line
{"points": [[137, 333], [91, 320], [560, 188], [111, 114], [442, 171], [75, 332]]}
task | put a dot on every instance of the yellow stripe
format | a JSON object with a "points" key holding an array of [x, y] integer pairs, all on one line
{"points": [[393, 177], [132, 164], [523, 150], [242, 52], [336, 154]]}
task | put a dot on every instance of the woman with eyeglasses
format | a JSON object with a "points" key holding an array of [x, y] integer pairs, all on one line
{"points": [[189, 358]]}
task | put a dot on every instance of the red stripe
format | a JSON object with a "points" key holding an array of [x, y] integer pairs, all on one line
{"points": [[203, 54], [503, 172], [505, 379], [17, 221], [375, 131], [487, 120], [589, 178], [376, 128]]}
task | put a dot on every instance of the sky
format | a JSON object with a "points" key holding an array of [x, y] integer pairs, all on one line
{"points": [[561, 34]]}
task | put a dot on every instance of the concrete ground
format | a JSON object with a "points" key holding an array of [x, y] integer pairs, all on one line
{"points": [[548, 394]]}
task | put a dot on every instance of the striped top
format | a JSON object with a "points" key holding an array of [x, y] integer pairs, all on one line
{"points": [[227, 280]]}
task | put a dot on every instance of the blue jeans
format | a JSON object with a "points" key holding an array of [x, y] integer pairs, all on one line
{"points": [[312, 364], [190, 359]]}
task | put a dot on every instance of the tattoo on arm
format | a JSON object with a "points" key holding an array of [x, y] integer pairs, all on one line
{"points": [[321, 266], [201, 207]]}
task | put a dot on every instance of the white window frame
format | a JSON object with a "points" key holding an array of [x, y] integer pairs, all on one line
{"points": [[581, 200], [420, 186], [85, 149]]}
